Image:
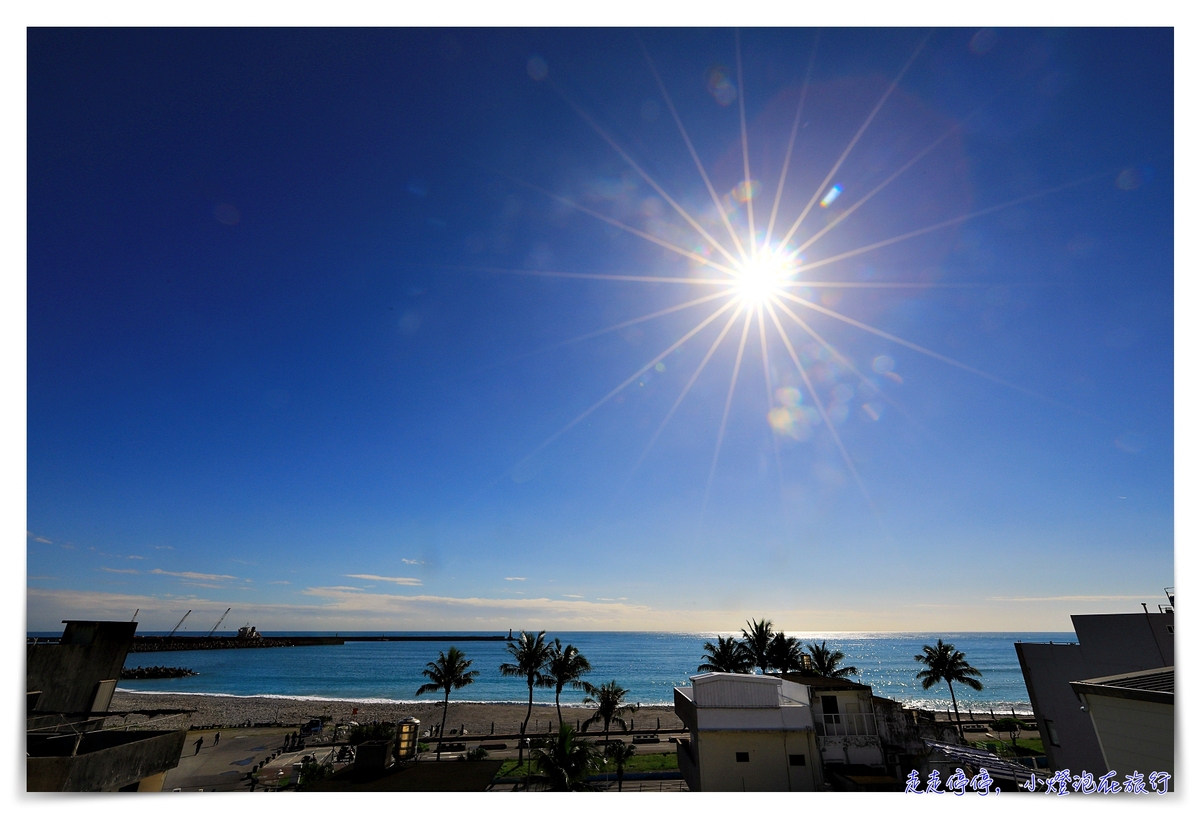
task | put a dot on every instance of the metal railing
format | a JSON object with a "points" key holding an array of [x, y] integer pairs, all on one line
{"points": [[846, 724]]}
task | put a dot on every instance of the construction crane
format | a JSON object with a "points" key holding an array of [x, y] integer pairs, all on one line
{"points": [[172, 633], [219, 621]]}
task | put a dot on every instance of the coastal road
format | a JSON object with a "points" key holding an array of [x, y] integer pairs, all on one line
{"points": [[224, 767]]}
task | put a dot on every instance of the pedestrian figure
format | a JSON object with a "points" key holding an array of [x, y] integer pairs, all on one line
{"points": [[217, 738], [199, 744]]}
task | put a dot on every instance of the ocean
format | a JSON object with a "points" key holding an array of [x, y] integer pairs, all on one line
{"points": [[649, 665]]}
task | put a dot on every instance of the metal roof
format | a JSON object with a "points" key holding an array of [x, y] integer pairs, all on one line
{"points": [[982, 759], [1155, 685]]}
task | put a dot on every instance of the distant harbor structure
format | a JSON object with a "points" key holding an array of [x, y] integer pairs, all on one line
{"points": [[249, 636]]}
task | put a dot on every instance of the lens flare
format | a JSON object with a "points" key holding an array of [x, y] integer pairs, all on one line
{"points": [[831, 196]]}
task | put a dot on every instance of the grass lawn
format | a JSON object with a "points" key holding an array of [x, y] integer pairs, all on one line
{"points": [[1027, 747], [1034, 744], [649, 762]]}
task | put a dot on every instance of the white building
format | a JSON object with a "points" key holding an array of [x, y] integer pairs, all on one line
{"points": [[1134, 718], [844, 719], [1108, 645], [748, 733]]}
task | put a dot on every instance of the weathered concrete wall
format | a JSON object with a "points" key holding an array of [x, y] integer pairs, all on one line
{"points": [[67, 673], [106, 761], [902, 736]]}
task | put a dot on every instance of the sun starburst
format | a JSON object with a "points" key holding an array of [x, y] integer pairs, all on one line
{"points": [[763, 277], [756, 280]]}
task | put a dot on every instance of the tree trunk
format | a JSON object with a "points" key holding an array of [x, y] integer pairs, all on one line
{"points": [[557, 706], [442, 729], [957, 718], [528, 712]]}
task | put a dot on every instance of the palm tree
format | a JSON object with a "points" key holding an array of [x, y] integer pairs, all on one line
{"points": [[784, 653], [566, 761], [530, 654], [727, 656], [945, 664], [758, 642], [825, 662], [620, 753], [609, 700], [566, 666], [448, 673]]}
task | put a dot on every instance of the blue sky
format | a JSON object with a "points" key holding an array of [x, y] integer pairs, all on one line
{"points": [[273, 362]]}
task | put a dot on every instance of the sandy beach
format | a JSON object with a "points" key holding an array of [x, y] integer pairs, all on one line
{"points": [[477, 718]]}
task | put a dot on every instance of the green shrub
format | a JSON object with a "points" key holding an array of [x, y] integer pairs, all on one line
{"points": [[371, 732]]}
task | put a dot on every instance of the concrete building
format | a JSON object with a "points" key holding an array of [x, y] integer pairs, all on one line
{"points": [[748, 733], [905, 735], [1108, 645], [69, 686], [1133, 715], [844, 721]]}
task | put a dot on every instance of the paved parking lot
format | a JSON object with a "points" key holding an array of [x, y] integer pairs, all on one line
{"points": [[223, 767]]}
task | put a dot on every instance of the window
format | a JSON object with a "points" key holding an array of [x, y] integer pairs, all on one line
{"points": [[829, 708], [743, 758], [1052, 733], [796, 760]]}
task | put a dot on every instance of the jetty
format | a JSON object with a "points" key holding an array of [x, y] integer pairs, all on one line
{"points": [[145, 644], [249, 636]]}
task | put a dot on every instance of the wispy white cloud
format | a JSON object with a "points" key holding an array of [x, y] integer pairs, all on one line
{"points": [[205, 585], [121, 570], [412, 562], [573, 596], [191, 574], [135, 557], [377, 578], [42, 539], [335, 588], [514, 579], [1084, 598], [164, 547], [41, 577], [344, 609], [440, 609], [279, 582]]}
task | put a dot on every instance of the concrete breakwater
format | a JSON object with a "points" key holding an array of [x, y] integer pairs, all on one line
{"points": [[157, 672], [144, 644]]}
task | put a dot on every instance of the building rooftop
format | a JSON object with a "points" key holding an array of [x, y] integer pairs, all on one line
{"points": [[824, 682], [1154, 685]]}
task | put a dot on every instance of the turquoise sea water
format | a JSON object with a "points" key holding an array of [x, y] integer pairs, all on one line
{"points": [[648, 664]]}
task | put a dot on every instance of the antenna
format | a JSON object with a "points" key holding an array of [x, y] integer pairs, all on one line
{"points": [[219, 621], [135, 613], [172, 633]]}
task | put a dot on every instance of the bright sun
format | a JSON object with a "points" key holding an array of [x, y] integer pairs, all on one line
{"points": [[762, 277]]}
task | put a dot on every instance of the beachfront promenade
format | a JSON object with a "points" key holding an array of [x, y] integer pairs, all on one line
{"points": [[227, 767]]}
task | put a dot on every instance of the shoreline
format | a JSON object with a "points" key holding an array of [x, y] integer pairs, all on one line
{"points": [[299, 697], [476, 718]]}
